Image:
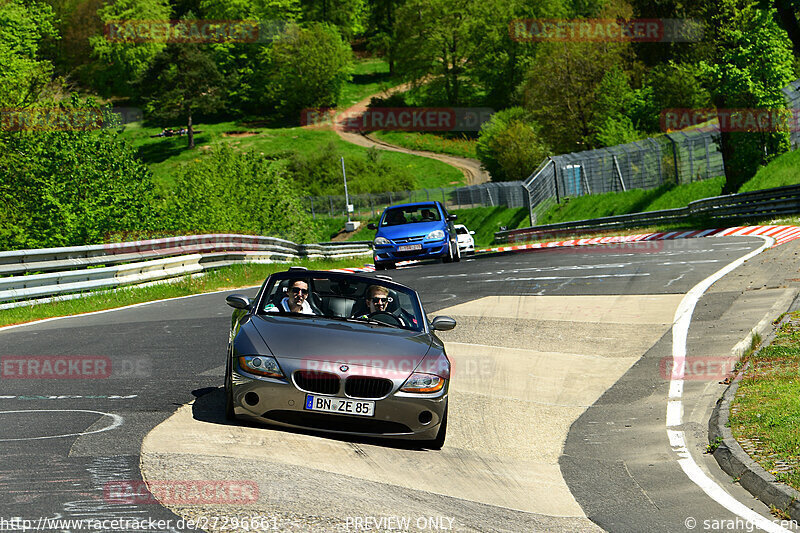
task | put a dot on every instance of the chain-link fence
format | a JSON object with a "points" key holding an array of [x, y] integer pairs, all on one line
{"points": [[508, 194], [792, 93], [678, 157]]}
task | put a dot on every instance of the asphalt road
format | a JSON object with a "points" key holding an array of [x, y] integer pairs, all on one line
{"points": [[578, 443]]}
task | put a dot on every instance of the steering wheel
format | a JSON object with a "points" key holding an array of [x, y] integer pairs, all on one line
{"points": [[381, 315]]}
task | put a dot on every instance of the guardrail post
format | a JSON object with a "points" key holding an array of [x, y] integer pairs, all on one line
{"points": [[675, 158]]}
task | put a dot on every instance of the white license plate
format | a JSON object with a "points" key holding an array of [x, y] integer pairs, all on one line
{"points": [[409, 247], [339, 405]]}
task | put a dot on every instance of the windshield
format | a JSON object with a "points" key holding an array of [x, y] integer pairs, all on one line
{"points": [[343, 297], [411, 214]]}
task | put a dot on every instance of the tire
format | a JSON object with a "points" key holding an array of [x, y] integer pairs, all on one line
{"points": [[230, 414], [380, 266], [438, 442], [449, 257]]}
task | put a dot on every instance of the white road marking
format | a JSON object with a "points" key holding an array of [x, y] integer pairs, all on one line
{"points": [[677, 439], [116, 421], [595, 276]]}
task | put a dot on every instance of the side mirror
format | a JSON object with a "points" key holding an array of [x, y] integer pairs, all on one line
{"points": [[237, 301], [443, 323], [452, 217], [372, 225], [472, 233]]}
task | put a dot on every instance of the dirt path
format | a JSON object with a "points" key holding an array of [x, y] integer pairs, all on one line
{"points": [[471, 168]]}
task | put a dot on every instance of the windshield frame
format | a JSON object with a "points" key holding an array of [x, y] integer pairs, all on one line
{"points": [[411, 303]]}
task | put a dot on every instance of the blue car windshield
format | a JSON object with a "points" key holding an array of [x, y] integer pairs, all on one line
{"points": [[411, 214]]}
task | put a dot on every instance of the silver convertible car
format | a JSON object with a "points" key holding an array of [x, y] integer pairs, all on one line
{"points": [[340, 353]]}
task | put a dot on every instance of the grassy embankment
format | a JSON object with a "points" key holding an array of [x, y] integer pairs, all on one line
{"points": [[165, 155], [430, 142], [765, 416], [245, 275]]}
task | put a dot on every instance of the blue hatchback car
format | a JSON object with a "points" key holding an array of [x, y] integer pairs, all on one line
{"points": [[422, 230]]}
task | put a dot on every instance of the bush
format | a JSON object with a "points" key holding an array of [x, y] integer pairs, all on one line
{"points": [[228, 191], [320, 173], [69, 188], [509, 146]]}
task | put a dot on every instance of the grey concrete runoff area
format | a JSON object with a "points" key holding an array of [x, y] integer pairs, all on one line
{"points": [[558, 415]]}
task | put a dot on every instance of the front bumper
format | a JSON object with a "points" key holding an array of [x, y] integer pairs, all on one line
{"points": [[430, 250], [281, 403]]}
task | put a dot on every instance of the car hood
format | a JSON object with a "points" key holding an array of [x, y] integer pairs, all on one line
{"points": [[409, 230], [326, 341]]}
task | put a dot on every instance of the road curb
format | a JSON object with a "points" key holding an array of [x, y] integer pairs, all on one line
{"points": [[735, 462]]}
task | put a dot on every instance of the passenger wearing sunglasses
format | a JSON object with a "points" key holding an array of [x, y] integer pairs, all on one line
{"points": [[296, 299]]}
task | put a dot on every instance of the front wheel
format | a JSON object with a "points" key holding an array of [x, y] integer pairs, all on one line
{"points": [[438, 442], [449, 258], [229, 412]]}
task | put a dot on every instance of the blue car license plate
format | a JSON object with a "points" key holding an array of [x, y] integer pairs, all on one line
{"points": [[343, 406], [409, 247]]}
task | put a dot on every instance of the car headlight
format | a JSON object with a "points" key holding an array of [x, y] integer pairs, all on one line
{"points": [[436, 235], [380, 241], [261, 365], [419, 382]]}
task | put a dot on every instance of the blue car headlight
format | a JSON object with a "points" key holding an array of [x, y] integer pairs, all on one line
{"points": [[380, 241], [435, 235]]}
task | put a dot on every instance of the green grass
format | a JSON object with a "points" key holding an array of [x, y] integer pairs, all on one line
{"points": [[484, 221], [245, 275], [783, 170], [459, 146], [165, 155], [370, 76], [633, 201], [766, 410]]}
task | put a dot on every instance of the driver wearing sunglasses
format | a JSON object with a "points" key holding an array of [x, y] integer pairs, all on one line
{"points": [[377, 300]]}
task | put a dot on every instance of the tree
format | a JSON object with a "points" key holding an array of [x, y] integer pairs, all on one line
{"points": [[433, 39], [23, 74], [383, 29], [120, 61], [245, 65], [347, 15], [181, 82], [561, 92], [753, 64], [306, 68], [509, 146]]}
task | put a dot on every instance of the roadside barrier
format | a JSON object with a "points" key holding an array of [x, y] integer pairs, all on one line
{"points": [[38, 273]]}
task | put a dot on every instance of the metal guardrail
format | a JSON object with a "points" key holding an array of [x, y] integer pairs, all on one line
{"points": [[38, 273], [764, 203]]}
